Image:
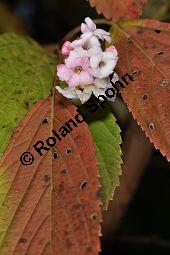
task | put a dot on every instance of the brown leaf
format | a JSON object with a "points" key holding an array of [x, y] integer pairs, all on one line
{"points": [[144, 52], [50, 207], [119, 10]]}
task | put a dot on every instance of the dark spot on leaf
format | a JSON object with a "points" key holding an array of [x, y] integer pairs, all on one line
{"points": [[157, 31], [129, 40], [44, 121], [145, 97], [95, 216], [18, 92], [60, 187], [23, 240], [83, 185], [46, 178], [89, 249], [140, 31], [76, 206], [63, 172], [26, 104], [98, 194], [68, 151], [68, 243], [151, 126]]}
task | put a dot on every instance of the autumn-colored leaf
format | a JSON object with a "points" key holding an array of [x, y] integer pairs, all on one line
{"points": [[26, 75], [51, 206], [119, 10], [144, 52]]}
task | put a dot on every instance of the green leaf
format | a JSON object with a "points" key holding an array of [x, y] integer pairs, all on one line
{"points": [[32, 71], [106, 136]]}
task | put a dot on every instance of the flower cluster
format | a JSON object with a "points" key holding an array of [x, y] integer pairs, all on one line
{"points": [[87, 67]]}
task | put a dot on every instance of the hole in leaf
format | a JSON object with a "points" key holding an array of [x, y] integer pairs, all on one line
{"points": [[83, 185], [135, 72], [55, 153], [95, 216], [160, 53], [145, 97], [164, 82], [69, 151], [151, 126], [44, 121]]}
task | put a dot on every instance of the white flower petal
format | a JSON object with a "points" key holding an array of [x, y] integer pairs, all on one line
{"points": [[107, 69], [96, 72], [84, 97], [109, 55], [88, 89], [67, 92], [90, 23], [93, 41], [101, 32], [107, 38], [81, 52], [101, 83], [95, 60], [115, 78], [86, 36], [79, 42], [99, 92], [94, 50]]}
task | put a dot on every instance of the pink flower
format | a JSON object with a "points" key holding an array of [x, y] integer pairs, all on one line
{"points": [[103, 64], [67, 47], [90, 27], [112, 49], [75, 71]]}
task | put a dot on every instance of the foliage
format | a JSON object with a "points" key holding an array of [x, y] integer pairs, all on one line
{"points": [[144, 47], [54, 205]]}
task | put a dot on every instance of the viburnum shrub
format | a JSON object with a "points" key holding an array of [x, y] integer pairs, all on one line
{"points": [[51, 203]]}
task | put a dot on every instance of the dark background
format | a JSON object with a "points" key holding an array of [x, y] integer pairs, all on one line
{"points": [[144, 228]]}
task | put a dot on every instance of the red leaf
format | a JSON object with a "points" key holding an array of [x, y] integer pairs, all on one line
{"points": [[51, 206], [144, 52], [119, 10]]}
